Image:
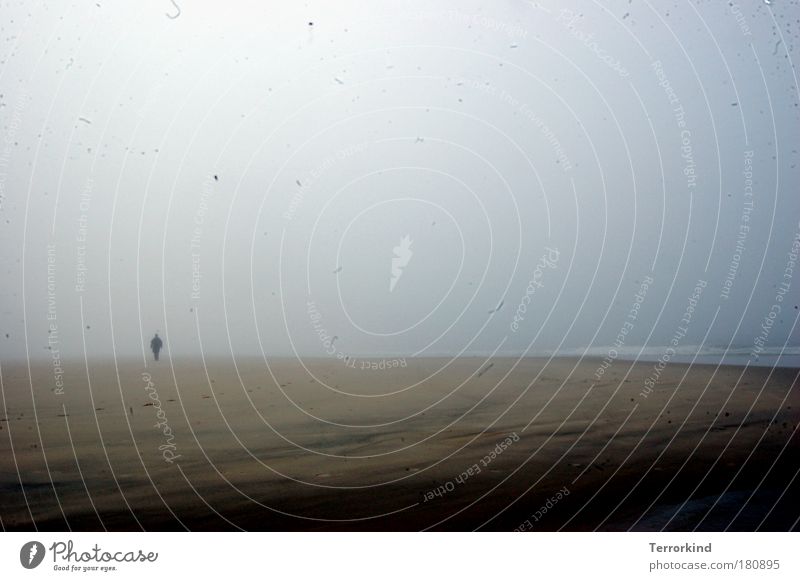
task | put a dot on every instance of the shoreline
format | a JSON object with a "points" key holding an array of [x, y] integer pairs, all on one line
{"points": [[683, 359]]}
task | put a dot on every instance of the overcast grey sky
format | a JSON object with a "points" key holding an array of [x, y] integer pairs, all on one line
{"points": [[268, 176]]}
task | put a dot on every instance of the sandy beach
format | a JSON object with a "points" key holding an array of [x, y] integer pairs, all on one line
{"points": [[429, 444]]}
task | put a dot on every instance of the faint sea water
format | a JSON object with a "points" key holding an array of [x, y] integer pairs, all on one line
{"points": [[771, 357]]}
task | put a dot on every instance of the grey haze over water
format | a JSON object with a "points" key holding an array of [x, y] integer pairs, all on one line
{"points": [[409, 179]]}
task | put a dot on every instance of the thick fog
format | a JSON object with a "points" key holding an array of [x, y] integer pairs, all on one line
{"points": [[409, 179]]}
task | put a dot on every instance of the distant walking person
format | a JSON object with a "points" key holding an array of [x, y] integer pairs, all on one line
{"points": [[155, 345]]}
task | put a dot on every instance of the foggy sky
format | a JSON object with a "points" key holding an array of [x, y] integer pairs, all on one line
{"points": [[551, 155]]}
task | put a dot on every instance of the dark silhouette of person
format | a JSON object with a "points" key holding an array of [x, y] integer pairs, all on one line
{"points": [[155, 345]]}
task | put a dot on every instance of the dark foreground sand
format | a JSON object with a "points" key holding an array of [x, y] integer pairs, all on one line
{"points": [[333, 448]]}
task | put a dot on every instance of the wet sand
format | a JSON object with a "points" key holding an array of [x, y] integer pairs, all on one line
{"points": [[472, 444]]}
